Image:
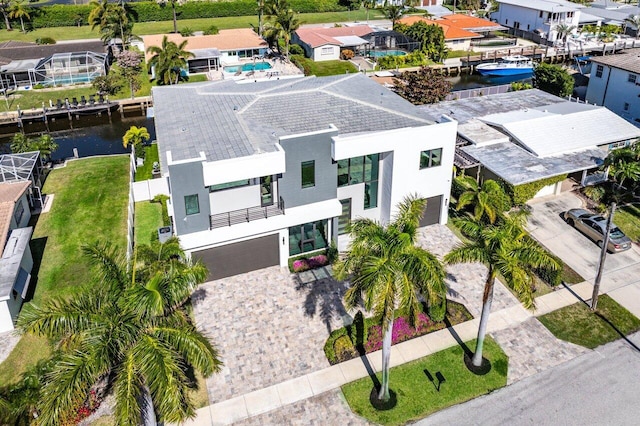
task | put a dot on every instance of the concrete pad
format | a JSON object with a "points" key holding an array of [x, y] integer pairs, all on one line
{"points": [[554, 301], [438, 340], [48, 202], [565, 295], [583, 289], [497, 322], [396, 357], [413, 349], [542, 308], [629, 297], [516, 314], [353, 369], [262, 400], [327, 379], [222, 413], [468, 330], [294, 390]]}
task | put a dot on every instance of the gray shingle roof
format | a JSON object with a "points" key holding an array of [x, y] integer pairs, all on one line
{"points": [[229, 120], [628, 60]]}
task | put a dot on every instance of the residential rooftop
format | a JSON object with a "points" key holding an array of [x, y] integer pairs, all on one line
{"points": [[554, 6], [10, 193], [10, 269], [227, 119], [463, 110], [627, 60], [319, 36]]}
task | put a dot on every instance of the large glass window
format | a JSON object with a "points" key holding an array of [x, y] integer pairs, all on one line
{"points": [[229, 185], [308, 237], [191, 204], [430, 158], [345, 217], [266, 190], [308, 174], [361, 170]]}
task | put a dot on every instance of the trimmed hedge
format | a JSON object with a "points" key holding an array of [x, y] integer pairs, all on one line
{"points": [[520, 194], [60, 15]]}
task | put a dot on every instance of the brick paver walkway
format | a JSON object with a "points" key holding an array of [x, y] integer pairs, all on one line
{"points": [[532, 348], [268, 327]]}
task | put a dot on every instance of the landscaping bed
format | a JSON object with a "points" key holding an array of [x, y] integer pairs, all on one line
{"points": [[364, 335], [577, 324], [419, 390]]}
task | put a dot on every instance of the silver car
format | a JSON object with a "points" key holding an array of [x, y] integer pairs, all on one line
{"points": [[594, 227]]}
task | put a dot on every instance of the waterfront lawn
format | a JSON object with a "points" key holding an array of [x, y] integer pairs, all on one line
{"points": [[323, 68], [577, 324], [90, 204], [418, 395], [160, 27], [148, 220], [144, 172]]}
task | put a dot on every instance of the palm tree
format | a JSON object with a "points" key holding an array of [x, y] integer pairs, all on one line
{"points": [[113, 19], [260, 14], [287, 21], [21, 143], [505, 249], [168, 59], [388, 271], [20, 10], [368, 5], [137, 335], [283, 22], [18, 401], [624, 164], [634, 20], [488, 200], [174, 3], [135, 137], [45, 144], [564, 30], [5, 7], [393, 13]]}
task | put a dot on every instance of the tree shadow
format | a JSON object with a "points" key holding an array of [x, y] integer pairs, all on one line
{"points": [[37, 246], [323, 296], [456, 337]]}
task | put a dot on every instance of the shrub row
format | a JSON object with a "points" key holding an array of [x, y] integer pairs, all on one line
{"points": [[145, 11]]}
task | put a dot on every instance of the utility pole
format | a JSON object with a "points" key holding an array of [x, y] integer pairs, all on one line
{"points": [[603, 255]]}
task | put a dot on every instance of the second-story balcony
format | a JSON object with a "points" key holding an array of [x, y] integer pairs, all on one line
{"points": [[250, 214]]}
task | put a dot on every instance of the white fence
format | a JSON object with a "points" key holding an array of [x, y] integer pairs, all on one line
{"points": [[132, 205], [147, 189]]}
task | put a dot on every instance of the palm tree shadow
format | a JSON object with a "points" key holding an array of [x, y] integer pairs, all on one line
{"points": [[323, 297], [468, 352]]}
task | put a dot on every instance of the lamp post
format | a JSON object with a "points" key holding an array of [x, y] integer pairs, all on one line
{"points": [[603, 255]]}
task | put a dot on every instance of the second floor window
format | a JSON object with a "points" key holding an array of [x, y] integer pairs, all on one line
{"points": [[632, 78], [308, 174], [430, 158], [191, 204], [599, 70]]}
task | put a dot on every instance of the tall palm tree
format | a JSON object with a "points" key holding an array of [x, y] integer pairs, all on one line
{"points": [[505, 249], [624, 164], [260, 15], [135, 334], [488, 199], [168, 59], [388, 271], [393, 13], [45, 144], [5, 7], [368, 5], [113, 20], [634, 20], [20, 10], [287, 21], [174, 3], [564, 30]]}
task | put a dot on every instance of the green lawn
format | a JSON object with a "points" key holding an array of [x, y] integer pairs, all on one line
{"points": [[628, 219], [418, 396], [323, 68], [148, 220], [577, 324], [144, 28], [90, 204], [151, 156]]}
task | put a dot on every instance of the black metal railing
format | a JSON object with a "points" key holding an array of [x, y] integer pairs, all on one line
{"points": [[235, 217]]}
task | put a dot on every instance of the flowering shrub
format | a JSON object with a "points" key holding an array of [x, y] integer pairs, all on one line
{"points": [[301, 265], [85, 410], [401, 331], [318, 261]]}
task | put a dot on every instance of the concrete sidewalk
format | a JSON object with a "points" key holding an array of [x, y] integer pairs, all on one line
{"points": [[313, 384]]}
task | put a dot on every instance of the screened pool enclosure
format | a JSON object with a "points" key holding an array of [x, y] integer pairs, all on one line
{"points": [[69, 68]]}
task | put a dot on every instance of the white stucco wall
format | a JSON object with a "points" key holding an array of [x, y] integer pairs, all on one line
{"points": [[6, 321], [530, 19], [332, 53], [613, 90]]}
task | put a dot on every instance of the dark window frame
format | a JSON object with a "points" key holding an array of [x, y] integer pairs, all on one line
{"points": [[427, 155], [230, 185], [599, 71], [312, 182], [186, 205]]}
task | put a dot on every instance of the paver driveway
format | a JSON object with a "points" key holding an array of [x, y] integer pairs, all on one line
{"points": [[575, 249]]}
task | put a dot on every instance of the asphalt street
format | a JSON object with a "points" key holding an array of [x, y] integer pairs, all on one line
{"points": [[601, 387]]}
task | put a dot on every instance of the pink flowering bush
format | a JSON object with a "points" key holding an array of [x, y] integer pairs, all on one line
{"points": [[304, 264], [301, 265], [401, 331], [318, 261]]}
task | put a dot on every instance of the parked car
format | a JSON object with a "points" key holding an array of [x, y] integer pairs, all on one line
{"points": [[594, 227]]}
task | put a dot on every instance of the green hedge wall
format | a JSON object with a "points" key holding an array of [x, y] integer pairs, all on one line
{"points": [[69, 15], [522, 193]]}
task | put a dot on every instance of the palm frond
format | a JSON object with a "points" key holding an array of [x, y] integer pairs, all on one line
{"points": [[111, 265], [194, 347], [128, 390]]}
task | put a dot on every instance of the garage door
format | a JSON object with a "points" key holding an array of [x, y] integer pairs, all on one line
{"points": [[432, 212], [238, 258]]}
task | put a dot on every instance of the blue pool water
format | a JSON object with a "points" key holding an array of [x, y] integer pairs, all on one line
{"points": [[379, 53], [258, 66]]}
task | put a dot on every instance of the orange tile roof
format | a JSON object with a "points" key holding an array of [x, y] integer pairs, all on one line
{"points": [[469, 22], [451, 32], [10, 193], [315, 37], [240, 38]]}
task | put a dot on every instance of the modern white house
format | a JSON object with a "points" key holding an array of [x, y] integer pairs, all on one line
{"points": [[540, 17], [263, 171], [526, 136], [615, 84], [16, 261]]}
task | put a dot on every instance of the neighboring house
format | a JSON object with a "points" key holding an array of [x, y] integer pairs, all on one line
{"points": [[615, 84], [261, 172], [540, 17], [611, 13], [212, 51], [16, 261], [527, 136], [459, 30], [325, 44], [28, 64]]}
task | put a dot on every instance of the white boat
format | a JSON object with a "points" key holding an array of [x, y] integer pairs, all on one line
{"points": [[509, 65]]}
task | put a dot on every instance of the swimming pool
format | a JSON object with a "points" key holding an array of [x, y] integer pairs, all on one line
{"points": [[258, 66], [379, 53]]}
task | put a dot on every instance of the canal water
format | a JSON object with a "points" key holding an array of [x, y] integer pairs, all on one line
{"points": [[476, 81], [90, 135]]}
